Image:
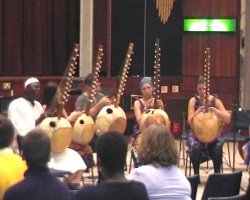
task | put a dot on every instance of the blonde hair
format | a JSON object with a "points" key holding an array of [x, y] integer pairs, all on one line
{"points": [[157, 146], [157, 119]]}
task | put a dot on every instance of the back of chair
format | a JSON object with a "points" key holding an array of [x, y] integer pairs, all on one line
{"points": [[194, 182], [235, 197], [135, 159], [59, 173], [222, 185]]}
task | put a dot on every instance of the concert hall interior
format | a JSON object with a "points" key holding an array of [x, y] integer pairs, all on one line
{"points": [[124, 99]]}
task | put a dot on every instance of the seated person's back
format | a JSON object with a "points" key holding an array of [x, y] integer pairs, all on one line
{"points": [[129, 190], [111, 152], [12, 166], [39, 183]]}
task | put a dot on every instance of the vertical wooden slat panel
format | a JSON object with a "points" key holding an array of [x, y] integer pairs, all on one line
{"points": [[1, 35], [60, 39], [35, 35], [47, 46], [224, 46], [13, 37], [101, 31]]}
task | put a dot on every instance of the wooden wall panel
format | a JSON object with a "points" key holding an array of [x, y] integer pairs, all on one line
{"points": [[37, 36], [214, 8], [1, 35], [224, 51], [12, 37], [102, 32], [224, 46], [34, 13]]}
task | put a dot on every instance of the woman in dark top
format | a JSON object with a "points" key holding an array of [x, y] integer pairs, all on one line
{"points": [[111, 152], [199, 151]]}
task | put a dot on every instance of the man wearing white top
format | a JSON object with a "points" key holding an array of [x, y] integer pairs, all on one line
{"points": [[26, 110]]}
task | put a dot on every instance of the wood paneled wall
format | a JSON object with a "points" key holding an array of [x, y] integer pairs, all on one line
{"points": [[37, 36], [224, 47], [102, 31]]}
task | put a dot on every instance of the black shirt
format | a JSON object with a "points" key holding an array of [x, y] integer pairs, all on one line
{"points": [[114, 190], [39, 184]]}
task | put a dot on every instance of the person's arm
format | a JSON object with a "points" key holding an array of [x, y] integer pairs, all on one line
{"points": [[74, 115], [42, 114], [137, 111], [191, 110], [220, 110], [160, 104], [104, 101]]}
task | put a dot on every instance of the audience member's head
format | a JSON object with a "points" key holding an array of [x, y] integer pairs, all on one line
{"points": [[157, 146], [154, 119], [7, 132], [111, 151], [36, 148]]}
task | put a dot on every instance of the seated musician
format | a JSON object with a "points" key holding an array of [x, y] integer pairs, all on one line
{"points": [[147, 101], [25, 112], [49, 93], [82, 104], [64, 158], [83, 101], [199, 151]]}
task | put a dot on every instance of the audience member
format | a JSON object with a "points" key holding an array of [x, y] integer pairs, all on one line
{"points": [[111, 152], [12, 167], [158, 155], [39, 183]]}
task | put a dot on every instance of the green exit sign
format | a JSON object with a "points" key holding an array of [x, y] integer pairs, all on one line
{"points": [[209, 25]]}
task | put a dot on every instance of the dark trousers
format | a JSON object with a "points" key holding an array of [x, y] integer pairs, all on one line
{"points": [[200, 152]]}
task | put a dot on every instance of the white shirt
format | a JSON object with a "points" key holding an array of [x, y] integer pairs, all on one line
{"points": [[23, 115], [163, 183], [69, 160]]}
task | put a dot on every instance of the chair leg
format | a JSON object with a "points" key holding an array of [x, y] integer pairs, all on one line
{"points": [[130, 163], [185, 164], [229, 154], [92, 175], [190, 167], [179, 152]]}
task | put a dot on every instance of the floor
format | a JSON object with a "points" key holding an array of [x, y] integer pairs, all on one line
{"points": [[206, 170]]}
